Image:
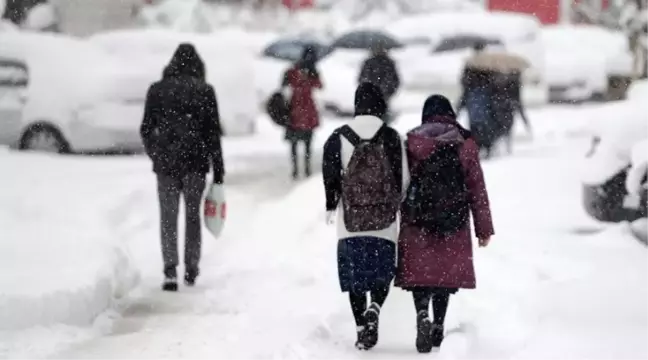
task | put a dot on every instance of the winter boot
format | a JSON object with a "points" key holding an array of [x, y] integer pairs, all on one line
{"points": [[437, 335], [423, 332], [170, 279], [190, 277], [360, 332], [370, 336]]}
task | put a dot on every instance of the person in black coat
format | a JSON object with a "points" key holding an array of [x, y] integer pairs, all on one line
{"points": [[380, 70], [181, 135]]}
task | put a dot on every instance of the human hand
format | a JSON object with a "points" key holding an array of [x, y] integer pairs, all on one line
{"points": [[330, 217], [483, 242]]}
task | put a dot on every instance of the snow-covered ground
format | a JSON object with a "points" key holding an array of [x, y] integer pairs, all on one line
{"points": [[553, 283]]}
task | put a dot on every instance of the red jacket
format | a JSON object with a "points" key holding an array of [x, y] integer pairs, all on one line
{"points": [[426, 259], [303, 111]]}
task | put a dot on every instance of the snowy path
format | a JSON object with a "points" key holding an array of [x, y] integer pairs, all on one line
{"points": [[269, 288]]}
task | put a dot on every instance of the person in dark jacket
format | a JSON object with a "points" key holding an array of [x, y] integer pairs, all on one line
{"points": [[302, 78], [366, 260], [430, 265], [477, 98], [507, 103], [380, 70], [181, 135]]}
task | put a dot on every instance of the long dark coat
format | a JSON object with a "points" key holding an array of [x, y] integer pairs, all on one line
{"points": [[429, 260], [180, 95]]}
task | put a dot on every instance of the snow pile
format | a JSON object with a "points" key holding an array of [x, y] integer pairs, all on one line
{"points": [[62, 263]]}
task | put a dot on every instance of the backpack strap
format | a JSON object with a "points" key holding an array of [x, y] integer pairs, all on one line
{"points": [[350, 135]]}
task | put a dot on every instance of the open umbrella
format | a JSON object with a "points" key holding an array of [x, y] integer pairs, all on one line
{"points": [[499, 62]]}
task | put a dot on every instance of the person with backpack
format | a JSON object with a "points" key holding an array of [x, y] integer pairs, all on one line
{"points": [[302, 79], [181, 135], [380, 70], [434, 248], [364, 169]]}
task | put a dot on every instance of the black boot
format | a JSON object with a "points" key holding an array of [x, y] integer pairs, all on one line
{"points": [[423, 332], [170, 279], [360, 334], [370, 336], [190, 277], [437, 335]]}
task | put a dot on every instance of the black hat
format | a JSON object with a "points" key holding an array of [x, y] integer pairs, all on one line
{"points": [[437, 105], [369, 100]]}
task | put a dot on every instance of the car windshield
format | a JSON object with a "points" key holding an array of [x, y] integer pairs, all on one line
{"points": [[463, 42]]}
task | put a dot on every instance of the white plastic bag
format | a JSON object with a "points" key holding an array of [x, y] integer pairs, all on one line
{"points": [[215, 209]]}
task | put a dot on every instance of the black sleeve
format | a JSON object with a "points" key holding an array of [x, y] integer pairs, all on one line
{"points": [[365, 72], [395, 77], [393, 146], [332, 171], [285, 81], [149, 123], [213, 135]]}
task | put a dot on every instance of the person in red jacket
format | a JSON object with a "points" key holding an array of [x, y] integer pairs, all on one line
{"points": [[302, 78], [434, 247]]}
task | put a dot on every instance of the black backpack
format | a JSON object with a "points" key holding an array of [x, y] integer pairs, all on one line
{"points": [[370, 190], [278, 109], [437, 197]]}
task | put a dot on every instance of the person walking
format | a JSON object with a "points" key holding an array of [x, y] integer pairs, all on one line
{"points": [[181, 135], [507, 103], [380, 70], [435, 252], [302, 78], [477, 98], [364, 169]]}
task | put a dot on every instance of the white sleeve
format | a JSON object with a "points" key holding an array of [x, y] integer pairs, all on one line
{"points": [[406, 173]]}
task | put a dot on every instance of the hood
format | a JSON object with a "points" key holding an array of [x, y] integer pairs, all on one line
{"points": [[369, 101], [422, 141], [185, 61]]}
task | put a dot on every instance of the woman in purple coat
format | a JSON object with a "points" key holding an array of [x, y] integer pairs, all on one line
{"points": [[435, 264]]}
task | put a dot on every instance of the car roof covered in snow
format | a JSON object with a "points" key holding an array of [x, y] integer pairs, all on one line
{"points": [[500, 25]]}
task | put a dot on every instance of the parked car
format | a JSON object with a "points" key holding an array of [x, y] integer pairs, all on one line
{"points": [[230, 68], [62, 95], [453, 32], [583, 62], [606, 196]]}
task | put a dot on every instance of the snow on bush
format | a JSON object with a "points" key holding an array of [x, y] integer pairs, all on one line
{"points": [[61, 261]]}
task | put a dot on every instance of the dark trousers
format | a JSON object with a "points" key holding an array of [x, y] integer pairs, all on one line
{"points": [[294, 151], [191, 187]]}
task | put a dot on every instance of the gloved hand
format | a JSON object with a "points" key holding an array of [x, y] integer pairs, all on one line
{"points": [[330, 217]]}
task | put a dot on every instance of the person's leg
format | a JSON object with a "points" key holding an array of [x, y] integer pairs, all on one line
{"points": [[440, 302], [422, 298], [307, 154], [358, 307], [440, 307], [293, 158], [193, 189], [169, 198]]}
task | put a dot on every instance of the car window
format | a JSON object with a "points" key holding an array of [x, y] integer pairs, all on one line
{"points": [[463, 42], [13, 73]]}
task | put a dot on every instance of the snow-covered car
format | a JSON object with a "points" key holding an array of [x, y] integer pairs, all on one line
{"points": [[230, 68], [422, 68], [62, 94], [580, 60], [606, 196]]}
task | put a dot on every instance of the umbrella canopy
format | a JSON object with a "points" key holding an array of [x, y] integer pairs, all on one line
{"points": [[366, 39], [498, 62]]}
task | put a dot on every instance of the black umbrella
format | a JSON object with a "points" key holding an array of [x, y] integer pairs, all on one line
{"points": [[366, 40]]}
